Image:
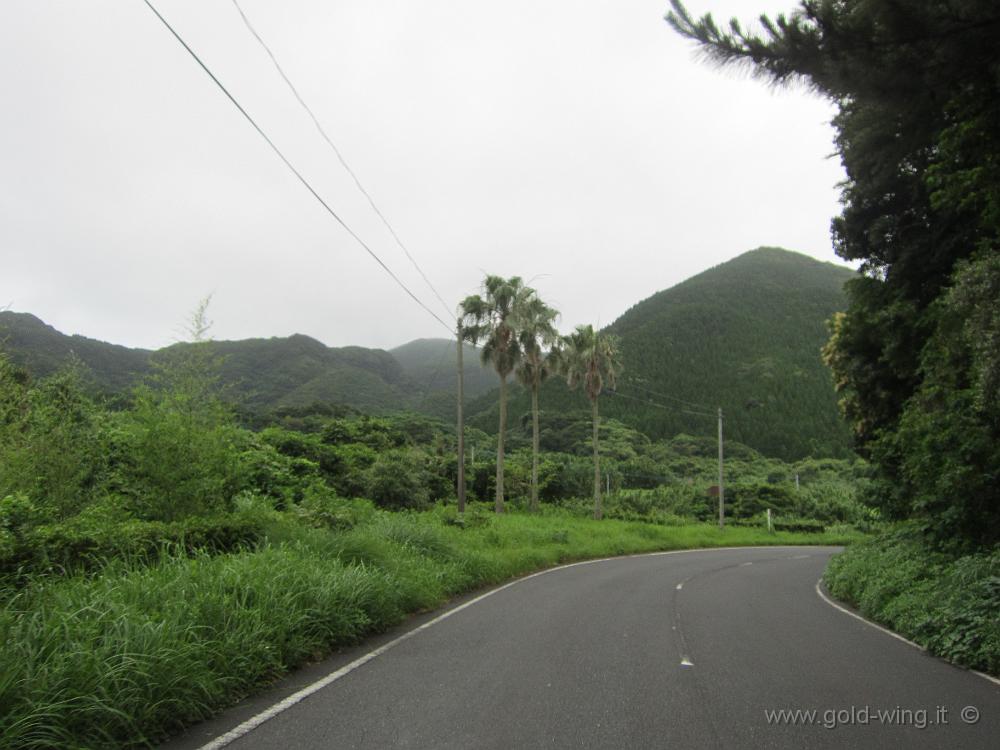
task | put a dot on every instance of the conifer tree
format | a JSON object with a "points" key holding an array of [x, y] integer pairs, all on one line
{"points": [[917, 86]]}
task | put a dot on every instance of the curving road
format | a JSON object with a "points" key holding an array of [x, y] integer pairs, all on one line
{"points": [[682, 650]]}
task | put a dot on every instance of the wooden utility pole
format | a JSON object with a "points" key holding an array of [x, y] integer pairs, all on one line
{"points": [[461, 426], [722, 492]]}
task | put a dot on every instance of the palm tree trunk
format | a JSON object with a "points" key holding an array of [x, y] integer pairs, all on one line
{"points": [[500, 437], [534, 447], [597, 464]]}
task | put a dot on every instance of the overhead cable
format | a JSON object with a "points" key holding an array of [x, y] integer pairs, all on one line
{"points": [[291, 167], [650, 402], [336, 151], [633, 384]]}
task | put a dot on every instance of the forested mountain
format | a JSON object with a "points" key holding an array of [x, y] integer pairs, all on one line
{"points": [[263, 374], [430, 364], [744, 336], [297, 371], [42, 350], [917, 129]]}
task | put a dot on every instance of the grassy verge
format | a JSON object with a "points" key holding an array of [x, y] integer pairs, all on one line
{"points": [[948, 604], [132, 653]]}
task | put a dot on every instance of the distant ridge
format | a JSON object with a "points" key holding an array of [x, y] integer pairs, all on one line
{"points": [[42, 350], [263, 374], [744, 336], [431, 362]]}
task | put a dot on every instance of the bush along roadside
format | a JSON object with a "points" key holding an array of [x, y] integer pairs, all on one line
{"points": [[947, 603], [125, 655]]}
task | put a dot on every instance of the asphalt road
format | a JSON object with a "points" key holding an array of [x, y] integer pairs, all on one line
{"points": [[688, 650]]}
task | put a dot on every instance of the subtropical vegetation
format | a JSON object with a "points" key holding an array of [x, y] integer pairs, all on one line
{"points": [[159, 561], [162, 554], [916, 354]]}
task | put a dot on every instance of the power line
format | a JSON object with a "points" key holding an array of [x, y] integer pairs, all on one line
{"points": [[294, 171], [633, 384], [650, 402], [336, 151]]}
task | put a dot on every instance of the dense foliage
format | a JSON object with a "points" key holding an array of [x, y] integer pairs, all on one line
{"points": [[158, 561], [744, 336], [945, 603], [80, 480], [917, 86]]}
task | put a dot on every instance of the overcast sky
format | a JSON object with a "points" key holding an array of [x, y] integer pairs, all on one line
{"points": [[580, 144]]}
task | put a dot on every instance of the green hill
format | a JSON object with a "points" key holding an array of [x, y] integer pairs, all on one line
{"points": [[430, 363], [298, 371], [262, 374], [744, 336], [42, 350]]}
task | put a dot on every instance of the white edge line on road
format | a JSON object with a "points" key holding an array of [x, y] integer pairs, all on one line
{"points": [[255, 721], [897, 636]]}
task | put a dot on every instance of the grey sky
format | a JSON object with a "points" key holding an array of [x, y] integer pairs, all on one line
{"points": [[578, 143]]}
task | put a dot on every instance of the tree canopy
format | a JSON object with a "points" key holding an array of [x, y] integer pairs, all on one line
{"points": [[917, 86]]}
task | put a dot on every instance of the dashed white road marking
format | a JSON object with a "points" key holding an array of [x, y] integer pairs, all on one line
{"points": [[255, 721]]}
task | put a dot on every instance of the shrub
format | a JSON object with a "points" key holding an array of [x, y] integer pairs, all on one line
{"points": [[91, 539], [747, 499], [173, 461], [321, 507], [946, 603], [803, 525], [49, 444], [399, 479]]}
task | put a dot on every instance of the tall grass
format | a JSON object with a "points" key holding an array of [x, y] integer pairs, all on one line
{"points": [[133, 653]]}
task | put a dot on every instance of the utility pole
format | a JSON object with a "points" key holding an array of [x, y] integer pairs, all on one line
{"points": [[461, 426], [722, 492]]}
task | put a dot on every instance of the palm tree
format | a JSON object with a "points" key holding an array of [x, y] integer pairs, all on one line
{"points": [[490, 318], [536, 330], [591, 358]]}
